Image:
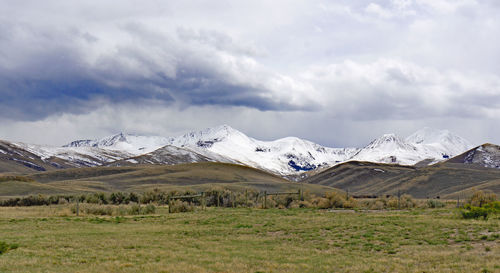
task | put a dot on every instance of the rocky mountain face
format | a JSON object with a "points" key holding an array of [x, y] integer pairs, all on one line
{"points": [[486, 155], [288, 156]]}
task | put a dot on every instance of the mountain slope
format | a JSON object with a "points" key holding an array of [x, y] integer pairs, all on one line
{"points": [[196, 176], [289, 157], [167, 155], [486, 155], [389, 149], [224, 144], [75, 156], [129, 143], [14, 159], [478, 168], [283, 156], [427, 145], [443, 141]]}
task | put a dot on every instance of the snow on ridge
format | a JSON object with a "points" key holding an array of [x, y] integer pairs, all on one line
{"points": [[284, 156], [426, 143]]}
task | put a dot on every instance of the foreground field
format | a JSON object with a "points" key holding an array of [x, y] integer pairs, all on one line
{"points": [[50, 239]]}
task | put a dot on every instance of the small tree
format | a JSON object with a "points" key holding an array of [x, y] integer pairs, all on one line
{"points": [[481, 198]]}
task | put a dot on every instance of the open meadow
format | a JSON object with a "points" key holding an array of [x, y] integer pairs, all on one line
{"points": [[53, 239]]}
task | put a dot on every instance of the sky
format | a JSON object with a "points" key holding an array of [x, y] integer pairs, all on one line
{"points": [[339, 73]]}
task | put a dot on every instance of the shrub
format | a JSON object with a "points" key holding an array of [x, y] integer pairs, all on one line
{"points": [[336, 199], [4, 247], [132, 197], [118, 198], [134, 209], [284, 201], [62, 201], [302, 204], [493, 206], [350, 203], [378, 205], [96, 209], [475, 213], [148, 209], [407, 201], [480, 198], [392, 202], [432, 203], [97, 198], [180, 206]]}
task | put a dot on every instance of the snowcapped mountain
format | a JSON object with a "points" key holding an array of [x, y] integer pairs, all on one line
{"points": [[167, 155], [224, 144], [132, 144], [442, 141], [75, 156], [486, 155], [425, 144], [283, 156], [389, 148], [286, 156]]}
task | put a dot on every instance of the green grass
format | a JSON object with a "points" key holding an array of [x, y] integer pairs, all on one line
{"points": [[49, 239]]}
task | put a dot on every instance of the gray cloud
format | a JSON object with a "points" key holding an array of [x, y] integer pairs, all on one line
{"points": [[307, 62]]}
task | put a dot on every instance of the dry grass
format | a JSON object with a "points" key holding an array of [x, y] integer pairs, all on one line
{"points": [[248, 240], [447, 180], [197, 176]]}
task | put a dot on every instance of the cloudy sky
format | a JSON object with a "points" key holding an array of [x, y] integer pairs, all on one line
{"points": [[339, 73]]}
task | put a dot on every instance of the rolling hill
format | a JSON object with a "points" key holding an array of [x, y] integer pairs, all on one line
{"points": [[195, 176], [449, 179]]}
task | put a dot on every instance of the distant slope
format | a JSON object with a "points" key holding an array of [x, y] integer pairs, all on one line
{"points": [[196, 176], [168, 155], [426, 145], [14, 159], [446, 180], [486, 155], [129, 143], [75, 156], [286, 156]]}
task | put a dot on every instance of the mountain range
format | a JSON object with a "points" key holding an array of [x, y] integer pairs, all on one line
{"points": [[285, 157], [428, 163]]}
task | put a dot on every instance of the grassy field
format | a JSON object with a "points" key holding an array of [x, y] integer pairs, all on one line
{"points": [[50, 239]]}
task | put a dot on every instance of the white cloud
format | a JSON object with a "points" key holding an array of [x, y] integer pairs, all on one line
{"points": [[349, 64], [379, 11]]}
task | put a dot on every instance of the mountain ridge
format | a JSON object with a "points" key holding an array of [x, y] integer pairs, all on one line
{"points": [[287, 157]]}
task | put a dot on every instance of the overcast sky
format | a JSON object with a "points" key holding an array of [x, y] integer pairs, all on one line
{"points": [[339, 73]]}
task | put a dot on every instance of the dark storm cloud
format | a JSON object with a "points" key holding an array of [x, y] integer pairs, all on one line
{"points": [[310, 65], [43, 72]]}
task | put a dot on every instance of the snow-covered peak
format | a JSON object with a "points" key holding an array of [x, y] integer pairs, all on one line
{"points": [[209, 136], [389, 142], [428, 135], [425, 144], [440, 139], [131, 143], [112, 140], [283, 156], [288, 155], [388, 148]]}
